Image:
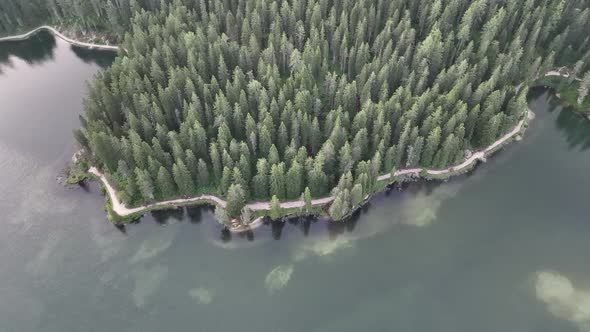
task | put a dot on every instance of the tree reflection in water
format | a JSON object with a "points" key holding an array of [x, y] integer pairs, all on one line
{"points": [[35, 50]]}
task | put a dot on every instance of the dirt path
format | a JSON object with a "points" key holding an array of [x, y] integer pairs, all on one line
{"points": [[60, 35], [560, 74], [123, 211]]}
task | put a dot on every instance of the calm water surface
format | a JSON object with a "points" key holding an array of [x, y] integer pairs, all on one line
{"points": [[459, 256]]}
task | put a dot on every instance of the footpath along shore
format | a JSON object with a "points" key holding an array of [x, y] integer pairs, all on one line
{"points": [[60, 35], [120, 209]]}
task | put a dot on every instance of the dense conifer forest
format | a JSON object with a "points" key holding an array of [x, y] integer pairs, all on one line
{"points": [[253, 99]]}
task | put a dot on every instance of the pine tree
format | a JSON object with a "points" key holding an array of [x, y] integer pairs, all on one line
{"points": [[236, 199], [583, 89], [202, 174], [275, 208], [222, 216], [278, 181], [356, 195], [166, 185], [146, 186], [260, 182], [431, 147], [246, 215], [182, 178], [338, 210], [306, 198], [294, 181]]}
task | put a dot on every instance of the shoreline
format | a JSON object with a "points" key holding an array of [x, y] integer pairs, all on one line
{"points": [[58, 34], [120, 210]]}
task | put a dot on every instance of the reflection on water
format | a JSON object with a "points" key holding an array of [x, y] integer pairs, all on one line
{"points": [[446, 257], [164, 217], [36, 50], [576, 129], [574, 126], [41, 48], [103, 58]]}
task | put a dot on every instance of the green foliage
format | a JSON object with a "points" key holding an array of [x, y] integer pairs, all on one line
{"points": [[165, 183], [275, 208], [236, 199], [306, 198], [569, 94], [222, 216], [276, 97]]}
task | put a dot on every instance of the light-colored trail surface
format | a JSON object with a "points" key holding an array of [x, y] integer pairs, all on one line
{"points": [[60, 35], [122, 210], [561, 72]]}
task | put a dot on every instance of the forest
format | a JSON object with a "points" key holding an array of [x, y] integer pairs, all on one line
{"points": [[258, 99]]}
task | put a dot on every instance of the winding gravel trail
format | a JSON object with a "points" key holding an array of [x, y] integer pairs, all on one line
{"points": [[122, 210], [60, 35]]}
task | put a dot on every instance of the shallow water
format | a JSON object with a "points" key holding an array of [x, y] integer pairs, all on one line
{"points": [[465, 255]]}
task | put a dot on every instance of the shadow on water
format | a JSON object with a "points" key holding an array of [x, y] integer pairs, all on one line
{"points": [[35, 50], [575, 128], [277, 228], [102, 58], [121, 228], [195, 213], [164, 217], [574, 125], [226, 235]]}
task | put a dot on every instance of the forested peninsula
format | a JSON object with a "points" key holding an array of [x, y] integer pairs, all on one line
{"points": [[260, 100]]}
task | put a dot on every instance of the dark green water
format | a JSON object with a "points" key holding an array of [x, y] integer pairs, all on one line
{"points": [[460, 256]]}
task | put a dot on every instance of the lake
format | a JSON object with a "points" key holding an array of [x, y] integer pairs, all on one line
{"points": [[500, 249]]}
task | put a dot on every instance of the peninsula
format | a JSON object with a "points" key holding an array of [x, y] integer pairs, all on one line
{"points": [[277, 108], [311, 105]]}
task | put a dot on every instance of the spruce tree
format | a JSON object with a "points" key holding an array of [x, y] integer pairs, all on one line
{"points": [[236, 199], [166, 185], [275, 208]]}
